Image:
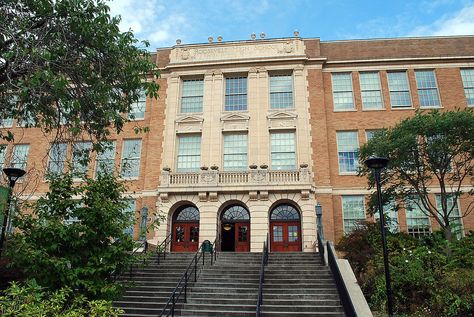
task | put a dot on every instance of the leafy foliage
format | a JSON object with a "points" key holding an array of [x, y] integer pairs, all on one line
{"points": [[429, 150], [32, 300], [74, 236], [425, 281], [65, 66]]}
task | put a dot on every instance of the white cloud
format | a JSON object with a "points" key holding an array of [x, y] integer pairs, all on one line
{"points": [[460, 23]]}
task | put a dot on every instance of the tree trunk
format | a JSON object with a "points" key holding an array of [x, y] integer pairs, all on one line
{"points": [[448, 235]]}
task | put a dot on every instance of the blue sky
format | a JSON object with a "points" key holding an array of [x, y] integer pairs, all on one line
{"points": [[162, 22]]}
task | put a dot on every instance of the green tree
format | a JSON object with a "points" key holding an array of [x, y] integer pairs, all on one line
{"points": [[65, 66], [428, 152], [74, 236]]}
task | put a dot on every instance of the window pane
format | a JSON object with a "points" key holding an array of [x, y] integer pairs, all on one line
{"points": [[138, 108], [399, 89], [342, 91], [427, 89], [348, 151], [277, 234], [105, 160], [370, 90], [20, 156], [57, 158], [236, 94], [390, 213], [283, 151], [281, 91], [131, 158], [235, 152], [80, 158], [353, 212], [418, 223], [467, 76], [192, 95], [454, 214], [292, 233], [189, 153]]}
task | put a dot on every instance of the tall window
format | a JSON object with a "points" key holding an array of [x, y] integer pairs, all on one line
{"points": [[370, 90], [342, 91], [418, 223], [131, 153], [3, 154], [283, 147], [138, 108], [427, 89], [80, 158], [57, 157], [281, 91], [347, 150], [192, 95], [235, 93], [235, 152], [189, 153], [105, 160], [399, 89], [454, 216], [20, 156], [467, 76], [353, 212], [390, 213]]}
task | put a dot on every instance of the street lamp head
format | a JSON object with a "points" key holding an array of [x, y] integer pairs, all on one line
{"points": [[376, 163], [13, 174], [319, 209]]}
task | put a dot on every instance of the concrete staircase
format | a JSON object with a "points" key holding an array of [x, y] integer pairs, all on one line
{"points": [[228, 288], [152, 285], [298, 284]]}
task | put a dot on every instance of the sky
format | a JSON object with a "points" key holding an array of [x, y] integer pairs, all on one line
{"points": [[162, 22]]}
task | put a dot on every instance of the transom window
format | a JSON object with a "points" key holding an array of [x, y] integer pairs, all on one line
{"points": [[348, 151], [234, 213], [427, 89], [192, 95], [187, 214], [189, 153], [454, 214], [105, 160], [370, 90], [235, 152], [353, 211], [285, 212], [235, 93], [131, 153], [20, 156], [57, 157], [281, 91], [467, 76], [342, 91], [283, 149], [418, 222], [138, 108], [399, 89]]}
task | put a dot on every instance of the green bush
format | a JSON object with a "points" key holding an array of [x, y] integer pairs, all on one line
{"points": [[31, 300]]}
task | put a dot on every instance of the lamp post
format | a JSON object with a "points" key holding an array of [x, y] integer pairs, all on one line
{"points": [[143, 223], [13, 174], [377, 164]]}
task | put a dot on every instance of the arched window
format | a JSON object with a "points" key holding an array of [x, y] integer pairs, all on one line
{"points": [[187, 213], [235, 212], [285, 212]]}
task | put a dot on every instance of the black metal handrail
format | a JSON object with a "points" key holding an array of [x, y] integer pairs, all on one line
{"points": [[263, 263], [182, 286], [349, 309], [162, 248], [321, 247]]}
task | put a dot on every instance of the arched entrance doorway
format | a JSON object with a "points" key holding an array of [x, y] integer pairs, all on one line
{"points": [[185, 229], [285, 229], [235, 229]]}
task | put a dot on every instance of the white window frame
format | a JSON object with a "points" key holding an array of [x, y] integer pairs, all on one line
{"points": [[399, 89], [418, 229], [134, 156], [77, 166], [60, 161], [280, 93], [467, 76], [368, 88], [423, 88], [103, 161], [196, 164], [390, 210], [195, 94], [274, 151], [232, 151], [336, 91], [138, 108], [349, 227], [339, 150], [20, 161]]}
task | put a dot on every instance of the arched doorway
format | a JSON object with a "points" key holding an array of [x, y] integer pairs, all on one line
{"points": [[185, 229], [285, 229], [235, 229]]}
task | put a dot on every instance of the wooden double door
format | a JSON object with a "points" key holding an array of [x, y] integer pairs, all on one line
{"points": [[285, 236], [185, 237], [235, 237]]}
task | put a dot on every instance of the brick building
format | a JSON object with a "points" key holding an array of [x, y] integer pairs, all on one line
{"points": [[248, 137]]}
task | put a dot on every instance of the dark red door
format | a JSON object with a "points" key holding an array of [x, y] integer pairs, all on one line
{"points": [[285, 236], [242, 237], [185, 237]]}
